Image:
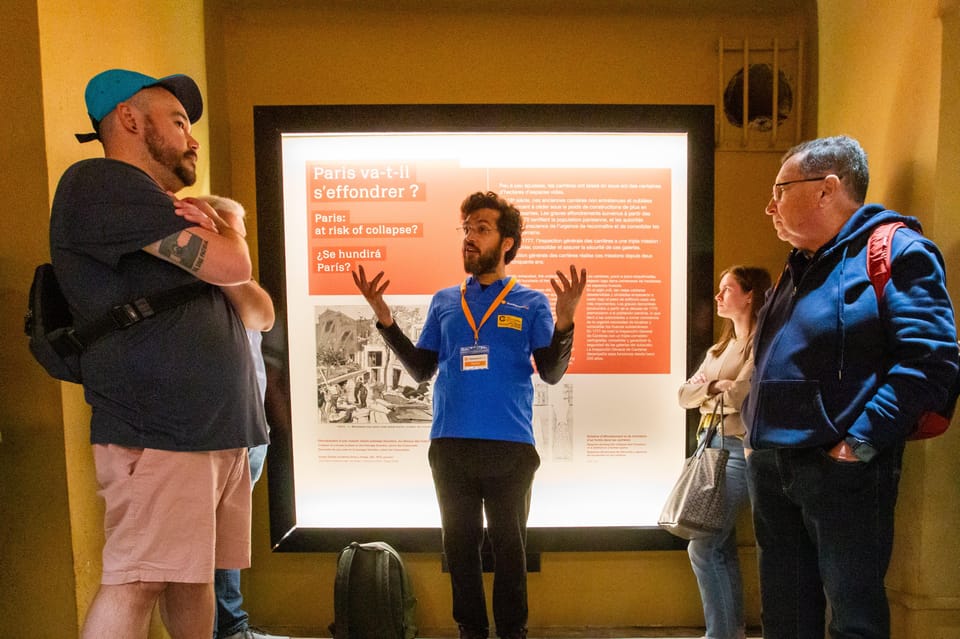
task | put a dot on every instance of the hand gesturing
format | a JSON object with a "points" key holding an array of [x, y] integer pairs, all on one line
{"points": [[568, 295], [372, 291]]}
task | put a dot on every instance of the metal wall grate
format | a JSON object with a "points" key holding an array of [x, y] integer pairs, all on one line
{"points": [[759, 94]]}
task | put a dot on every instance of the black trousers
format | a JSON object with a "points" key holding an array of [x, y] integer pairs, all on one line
{"points": [[473, 478]]}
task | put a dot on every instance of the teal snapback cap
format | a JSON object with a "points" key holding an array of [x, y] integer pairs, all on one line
{"points": [[109, 88]]}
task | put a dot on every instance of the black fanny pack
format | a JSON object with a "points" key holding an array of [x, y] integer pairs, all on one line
{"points": [[57, 344]]}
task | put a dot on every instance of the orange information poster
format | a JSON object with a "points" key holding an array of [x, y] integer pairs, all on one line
{"points": [[612, 204]]}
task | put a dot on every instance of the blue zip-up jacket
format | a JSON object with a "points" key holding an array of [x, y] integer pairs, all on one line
{"points": [[831, 361]]}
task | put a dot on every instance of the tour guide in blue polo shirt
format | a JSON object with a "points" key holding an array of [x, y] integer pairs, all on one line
{"points": [[479, 337]]}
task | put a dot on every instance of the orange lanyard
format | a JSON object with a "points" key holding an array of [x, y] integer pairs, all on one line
{"points": [[486, 316]]}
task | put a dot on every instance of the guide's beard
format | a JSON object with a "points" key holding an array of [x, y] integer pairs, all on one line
{"points": [[478, 264]]}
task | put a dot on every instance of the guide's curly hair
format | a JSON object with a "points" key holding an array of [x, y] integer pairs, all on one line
{"points": [[509, 224]]}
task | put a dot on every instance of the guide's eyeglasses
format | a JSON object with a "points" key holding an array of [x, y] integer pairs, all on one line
{"points": [[780, 186], [480, 231]]}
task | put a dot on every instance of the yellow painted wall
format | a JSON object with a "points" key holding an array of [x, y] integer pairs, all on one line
{"points": [[882, 85], [36, 574], [939, 553]]}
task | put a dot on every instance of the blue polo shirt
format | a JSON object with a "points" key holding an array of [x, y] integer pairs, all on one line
{"points": [[495, 402]]}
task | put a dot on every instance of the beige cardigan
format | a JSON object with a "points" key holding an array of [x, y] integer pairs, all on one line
{"points": [[736, 363]]}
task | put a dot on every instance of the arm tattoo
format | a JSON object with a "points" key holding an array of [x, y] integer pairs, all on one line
{"points": [[190, 255]]}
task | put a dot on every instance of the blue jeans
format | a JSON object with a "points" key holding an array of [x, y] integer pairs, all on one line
{"points": [[230, 617], [714, 559], [824, 533]]}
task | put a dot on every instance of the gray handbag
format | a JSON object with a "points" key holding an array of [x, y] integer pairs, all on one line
{"points": [[694, 507]]}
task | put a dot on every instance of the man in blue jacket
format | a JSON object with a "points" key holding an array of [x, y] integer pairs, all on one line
{"points": [[841, 378]]}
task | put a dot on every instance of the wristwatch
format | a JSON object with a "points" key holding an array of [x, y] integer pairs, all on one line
{"points": [[863, 450]]}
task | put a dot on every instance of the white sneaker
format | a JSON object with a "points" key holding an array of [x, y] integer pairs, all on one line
{"points": [[253, 633]]}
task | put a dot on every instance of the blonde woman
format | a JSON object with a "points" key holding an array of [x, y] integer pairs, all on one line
{"points": [[725, 374]]}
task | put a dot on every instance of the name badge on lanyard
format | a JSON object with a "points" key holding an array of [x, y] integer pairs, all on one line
{"points": [[477, 357], [474, 358]]}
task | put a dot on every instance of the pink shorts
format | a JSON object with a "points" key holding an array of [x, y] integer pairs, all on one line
{"points": [[173, 516]]}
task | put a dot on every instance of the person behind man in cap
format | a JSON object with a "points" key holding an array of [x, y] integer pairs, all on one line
{"points": [[231, 621], [174, 397]]}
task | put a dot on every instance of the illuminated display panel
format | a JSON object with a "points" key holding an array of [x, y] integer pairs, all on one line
{"points": [[623, 191]]}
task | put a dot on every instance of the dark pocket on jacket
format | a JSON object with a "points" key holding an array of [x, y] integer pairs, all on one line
{"points": [[790, 413]]}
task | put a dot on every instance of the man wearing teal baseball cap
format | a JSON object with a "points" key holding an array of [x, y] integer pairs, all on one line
{"points": [[174, 394], [108, 89]]}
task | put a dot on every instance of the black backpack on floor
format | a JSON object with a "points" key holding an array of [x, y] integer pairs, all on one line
{"points": [[372, 596]]}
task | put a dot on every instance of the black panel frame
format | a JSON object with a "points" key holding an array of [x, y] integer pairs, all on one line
{"points": [[271, 122]]}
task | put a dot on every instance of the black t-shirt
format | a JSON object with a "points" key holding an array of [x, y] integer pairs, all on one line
{"points": [[181, 380]]}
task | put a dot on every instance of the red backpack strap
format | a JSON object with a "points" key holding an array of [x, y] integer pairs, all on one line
{"points": [[878, 255]]}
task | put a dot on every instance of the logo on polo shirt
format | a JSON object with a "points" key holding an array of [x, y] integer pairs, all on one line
{"points": [[510, 321]]}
